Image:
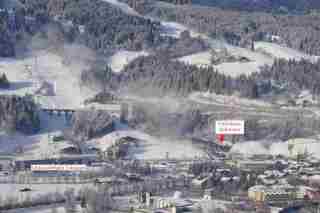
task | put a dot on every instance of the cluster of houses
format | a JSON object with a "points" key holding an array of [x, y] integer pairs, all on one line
{"points": [[282, 193]]}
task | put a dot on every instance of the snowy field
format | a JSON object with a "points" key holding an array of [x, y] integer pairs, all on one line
{"points": [[265, 55], [221, 100], [279, 51], [174, 29], [119, 60], [123, 6], [28, 73], [233, 68], [150, 147], [301, 145], [38, 190], [36, 146], [41, 209]]}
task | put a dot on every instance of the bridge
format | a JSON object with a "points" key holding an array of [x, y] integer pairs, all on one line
{"points": [[58, 112], [122, 110]]}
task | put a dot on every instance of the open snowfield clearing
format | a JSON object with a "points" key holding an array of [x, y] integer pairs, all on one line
{"points": [[312, 146], [279, 51], [29, 73], [268, 52], [123, 6], [232, 68], [25, 76], [119, 60], [257, 58], [44, 209], [150, 147], [41, 209], [235, 101], [38, 190], [36, 146], [174, 29]]}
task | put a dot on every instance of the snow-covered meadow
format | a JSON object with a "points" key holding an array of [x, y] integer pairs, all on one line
{"points": [[301, 145], [150, 147]]}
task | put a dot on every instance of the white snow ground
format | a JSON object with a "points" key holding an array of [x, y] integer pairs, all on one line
{"points": [[312, 146], [174, 29], [36, 146], [279, 51], [235, 101], [40, 209], [38, 190], [233, 68], [123, 57], [123, 6], [249, 148], [258, 58], [44, 209], [150, 147], [26, 75], [265, 55]]}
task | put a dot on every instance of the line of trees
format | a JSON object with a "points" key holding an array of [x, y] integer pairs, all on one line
{"points": [[292, 75], [160, 73]]}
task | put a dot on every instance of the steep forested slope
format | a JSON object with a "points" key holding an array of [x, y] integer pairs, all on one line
{"points": [[301, 32], [97, 24]]}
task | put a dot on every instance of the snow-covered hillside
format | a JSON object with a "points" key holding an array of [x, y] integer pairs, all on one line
{"points": [[278, 51], [119, 60], [232, 68], [124, 7], [28, 73], [265, 54]]}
